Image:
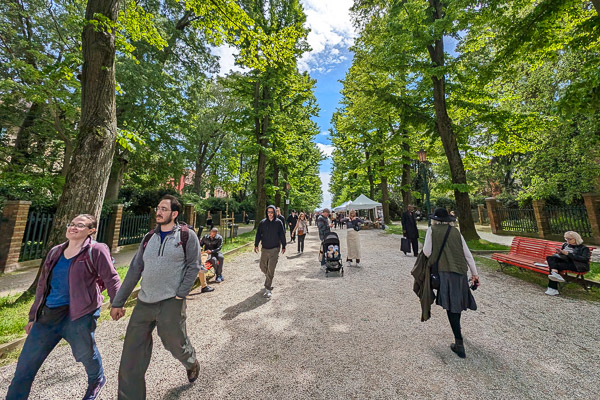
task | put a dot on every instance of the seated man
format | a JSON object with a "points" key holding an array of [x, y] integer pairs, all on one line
{"points": [[212, 244]]}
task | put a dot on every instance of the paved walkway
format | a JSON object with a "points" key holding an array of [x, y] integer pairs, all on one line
{"points": [[356, 337]]}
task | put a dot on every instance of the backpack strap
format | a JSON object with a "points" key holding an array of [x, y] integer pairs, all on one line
{"points": [[184, 235]]}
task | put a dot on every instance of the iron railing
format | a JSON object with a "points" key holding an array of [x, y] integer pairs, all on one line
{"points": [[133, 228], [517, 220], [36, 235], [562, 219], [102, 224]]}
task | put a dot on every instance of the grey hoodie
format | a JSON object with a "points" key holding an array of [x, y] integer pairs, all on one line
{"points": [[164, 270]]}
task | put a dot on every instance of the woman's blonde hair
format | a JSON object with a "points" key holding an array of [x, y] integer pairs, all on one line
{"points": [[302, 214], [353, 213], [574, 235]]}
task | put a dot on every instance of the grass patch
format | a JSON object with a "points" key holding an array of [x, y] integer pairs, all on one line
{"points": [[594, 273], [14, 315], [239, 241], [571, 289]]}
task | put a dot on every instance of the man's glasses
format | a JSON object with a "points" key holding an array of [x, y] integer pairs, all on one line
{"points": [[270, 212], [78, 226], [162, 209]]}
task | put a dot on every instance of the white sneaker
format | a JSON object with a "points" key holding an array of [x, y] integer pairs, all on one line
{"points": [[556, 277], [348, 264], [357, 264], [552, 292], [268, 293]]}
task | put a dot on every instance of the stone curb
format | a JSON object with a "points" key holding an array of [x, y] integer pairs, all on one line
{"points": [[18, 343]]}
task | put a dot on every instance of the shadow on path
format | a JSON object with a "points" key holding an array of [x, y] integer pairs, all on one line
{"points": [[249, 304]]}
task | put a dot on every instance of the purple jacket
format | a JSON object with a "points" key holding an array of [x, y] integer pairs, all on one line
{"points": [[84, 293]]}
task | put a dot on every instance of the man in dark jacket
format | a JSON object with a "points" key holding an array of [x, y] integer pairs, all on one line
{"points": [[292, 221], [272, 235], [324, 226], [212, 244], [409, 228]]}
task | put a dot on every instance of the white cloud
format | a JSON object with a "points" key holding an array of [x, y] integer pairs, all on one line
{"points": [[331, 32], [325, 179], [226, 56], [326, 149], [324, 133]]}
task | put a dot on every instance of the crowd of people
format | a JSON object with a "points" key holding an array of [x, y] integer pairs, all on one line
{"points": [[169, 259]]}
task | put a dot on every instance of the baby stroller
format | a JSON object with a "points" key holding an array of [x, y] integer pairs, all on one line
{"points": [[331, 251]]}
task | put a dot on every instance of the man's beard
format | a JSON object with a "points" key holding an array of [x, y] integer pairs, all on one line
{"points": [[166, 221]]}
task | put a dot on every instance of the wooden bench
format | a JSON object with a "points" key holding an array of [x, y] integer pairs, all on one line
{"points": [[525, 252]]}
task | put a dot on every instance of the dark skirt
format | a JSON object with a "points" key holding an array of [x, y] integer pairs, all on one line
{"points": [[454, 294]]}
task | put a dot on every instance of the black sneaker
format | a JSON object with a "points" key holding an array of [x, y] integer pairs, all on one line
{"points": [[206, 289], [194, 372], [94, 389]]}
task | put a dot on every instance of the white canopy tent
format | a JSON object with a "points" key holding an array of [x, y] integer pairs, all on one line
{"points": [[342, 207], [362, 202]]}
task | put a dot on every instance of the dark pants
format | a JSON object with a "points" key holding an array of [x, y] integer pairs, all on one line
{"points": [[292, 233], [168, 316], [41, 341], [301, 242], [217, 260], [559, 264], [414, 242]]}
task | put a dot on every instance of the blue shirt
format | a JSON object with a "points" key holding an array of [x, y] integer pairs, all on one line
{"points": [[59, 283], [163, 235]]}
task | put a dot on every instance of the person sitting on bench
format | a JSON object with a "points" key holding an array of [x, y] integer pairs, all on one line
{"points": [[572, 256], [212, 244]]}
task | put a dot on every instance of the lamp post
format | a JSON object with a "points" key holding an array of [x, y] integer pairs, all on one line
{"points": [[423, 166]]}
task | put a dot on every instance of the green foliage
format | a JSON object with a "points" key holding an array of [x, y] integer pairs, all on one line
{"points": [[141, 201]]}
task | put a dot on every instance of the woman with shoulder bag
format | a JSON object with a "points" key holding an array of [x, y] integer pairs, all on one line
{"points": [[67, 306], [445, 246], [353, 238], [301, 230]]}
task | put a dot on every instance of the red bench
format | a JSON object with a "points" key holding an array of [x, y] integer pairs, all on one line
{"points": [[525, 252]]}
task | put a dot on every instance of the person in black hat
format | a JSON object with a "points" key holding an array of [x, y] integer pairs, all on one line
{"points": [[455, 260]]}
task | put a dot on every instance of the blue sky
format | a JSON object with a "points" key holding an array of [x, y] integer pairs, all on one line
{"points": [[330, 37]]}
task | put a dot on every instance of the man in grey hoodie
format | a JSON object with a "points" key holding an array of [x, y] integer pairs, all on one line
{"points": [[168, 271]]}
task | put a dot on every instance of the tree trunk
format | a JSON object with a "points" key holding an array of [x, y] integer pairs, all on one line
{"points": [[115, 178], [406, 183], [370, 177], [260, 125], [85, 184], [385, 197], [276, 184], [444, 128], [20, 151]]}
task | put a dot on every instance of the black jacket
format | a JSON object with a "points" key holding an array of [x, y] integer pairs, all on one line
{"points": [[208, 243], [580, 257], [323, 225], [270, 233], [292, 221], [282, 219], [409, 225]]}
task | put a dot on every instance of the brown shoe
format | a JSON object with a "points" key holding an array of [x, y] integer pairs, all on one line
{"points": [[194, 372]]}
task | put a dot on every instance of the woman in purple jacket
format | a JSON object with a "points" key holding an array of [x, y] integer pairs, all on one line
{"points": [[67, 305]]}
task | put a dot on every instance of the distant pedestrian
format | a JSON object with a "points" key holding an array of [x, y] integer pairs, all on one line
{"points": [[353, 224], [67, 306], [209, 220], [167, 264], [455, 259], [573, 255], [281, 218], [324, 225], [291, 222], [212, 244], [301, 229], [409, 228], [334, 219], [272, 236]]}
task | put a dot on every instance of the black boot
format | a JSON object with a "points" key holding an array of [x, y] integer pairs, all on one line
{"points": [[458, 348]]}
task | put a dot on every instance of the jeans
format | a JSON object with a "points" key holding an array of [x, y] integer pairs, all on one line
{"points": [[217, 260], [301, 242], [41, 341]]}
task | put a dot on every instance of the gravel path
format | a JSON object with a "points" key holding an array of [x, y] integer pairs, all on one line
{"points": [[357, 336]]}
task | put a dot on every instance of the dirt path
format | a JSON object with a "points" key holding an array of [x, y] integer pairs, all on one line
{"points": [[357, 336]]}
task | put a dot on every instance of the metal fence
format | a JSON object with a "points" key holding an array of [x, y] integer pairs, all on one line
{"points": [[36, 235], [562, 219], [517, 220], [102, 224], [133, 228]]}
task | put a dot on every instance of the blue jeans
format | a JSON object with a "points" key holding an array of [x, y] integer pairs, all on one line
{"points": [[41, 341]]}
